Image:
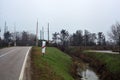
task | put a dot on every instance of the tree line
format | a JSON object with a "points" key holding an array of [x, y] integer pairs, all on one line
{"points": [[17, 38], [87, 38], [64, 38], [78, 38]]}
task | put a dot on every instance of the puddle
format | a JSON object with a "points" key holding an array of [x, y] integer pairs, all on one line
{"points": [[85, 73]]}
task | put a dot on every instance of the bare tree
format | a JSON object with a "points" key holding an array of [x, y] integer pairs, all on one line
{"points": [[24, 36], [64, 37], [55, 37], [7, 37], [101, 39], [92, 39], [77, 38], [115, 33], [87, 38]]}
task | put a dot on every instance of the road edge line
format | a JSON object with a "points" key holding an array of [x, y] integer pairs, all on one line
{"points": [[24, 64], [6, 53]]}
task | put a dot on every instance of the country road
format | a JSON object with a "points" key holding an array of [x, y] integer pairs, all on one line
{"points": [[104, 51], [12, 61]]}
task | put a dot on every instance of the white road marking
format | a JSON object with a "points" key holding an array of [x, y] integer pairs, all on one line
{"points": [[6, 53], [23, 67]]}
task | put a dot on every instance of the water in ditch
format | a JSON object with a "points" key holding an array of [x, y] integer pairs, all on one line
{"points": [[85, 72]]}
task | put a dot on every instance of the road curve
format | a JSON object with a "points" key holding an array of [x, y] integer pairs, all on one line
{"points": [[11, 62]]}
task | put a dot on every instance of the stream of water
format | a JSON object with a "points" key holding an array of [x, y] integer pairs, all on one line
{"points": [[85, 72], [89, 75]]}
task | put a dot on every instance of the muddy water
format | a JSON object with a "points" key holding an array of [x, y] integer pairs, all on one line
{"points": [[85, 72]]}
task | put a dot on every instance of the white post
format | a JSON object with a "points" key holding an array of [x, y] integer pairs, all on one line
{"points": [[43, 47]]}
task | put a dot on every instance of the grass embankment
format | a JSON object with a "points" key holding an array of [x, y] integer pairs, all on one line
{"points": [[105, 64], [112, 61], [54, 65]]}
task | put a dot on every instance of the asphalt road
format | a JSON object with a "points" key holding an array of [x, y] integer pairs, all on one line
{"points": [[11, 62], [104, 51]]}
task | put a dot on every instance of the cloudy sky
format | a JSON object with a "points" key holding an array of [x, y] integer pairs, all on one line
{"points": [[72, 15]]}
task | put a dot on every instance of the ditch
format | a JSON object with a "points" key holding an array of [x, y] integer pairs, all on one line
{"points": [[83, 71]]}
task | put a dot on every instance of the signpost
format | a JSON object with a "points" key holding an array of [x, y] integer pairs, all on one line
{"points": [[43, 47]]}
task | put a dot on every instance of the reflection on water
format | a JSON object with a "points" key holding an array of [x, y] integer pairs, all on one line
{"points": [[89, 75], [85, 73]]}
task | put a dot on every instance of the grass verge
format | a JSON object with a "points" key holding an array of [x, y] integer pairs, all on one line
{"points": [[112, 61], [54, 65]]}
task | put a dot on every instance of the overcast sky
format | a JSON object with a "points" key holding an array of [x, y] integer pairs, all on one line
{"points": [[72, 15]]}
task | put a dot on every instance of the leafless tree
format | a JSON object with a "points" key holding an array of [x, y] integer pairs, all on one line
{"points": [[55, 37], [77, 38], [115, 33], [101, 39], [64, 35]]}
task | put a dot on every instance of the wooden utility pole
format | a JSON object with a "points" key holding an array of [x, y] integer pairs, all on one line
{"points": [[48, 32]]}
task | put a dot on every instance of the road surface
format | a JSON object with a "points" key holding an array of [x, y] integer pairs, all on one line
{"points": [[11, 62], [104, 51]]}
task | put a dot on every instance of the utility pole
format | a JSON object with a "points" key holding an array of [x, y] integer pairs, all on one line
{"points": [[14, 35], [48, 32], [5, 28], [43, 33], [40, 35], [37, 34]]}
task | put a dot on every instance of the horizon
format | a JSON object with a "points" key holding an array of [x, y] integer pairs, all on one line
{"points": [[71, 15]]}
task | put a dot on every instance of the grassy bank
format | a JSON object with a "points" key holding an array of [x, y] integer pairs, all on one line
{"points": [[112, 61], [54, 65], [106, 65]]}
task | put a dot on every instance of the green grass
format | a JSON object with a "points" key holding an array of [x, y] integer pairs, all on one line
{"points": [[112, 61], [54, 65]]}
